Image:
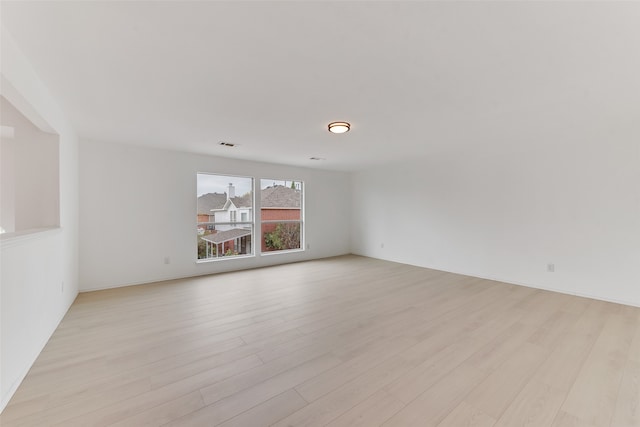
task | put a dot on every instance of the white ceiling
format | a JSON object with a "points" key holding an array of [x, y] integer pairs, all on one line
{"points": [[413, 78]]}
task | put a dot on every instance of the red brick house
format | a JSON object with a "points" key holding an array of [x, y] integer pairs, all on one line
{"points": [[278, 203]]}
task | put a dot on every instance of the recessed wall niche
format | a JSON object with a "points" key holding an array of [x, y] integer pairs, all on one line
{"points": [[29, 172]]}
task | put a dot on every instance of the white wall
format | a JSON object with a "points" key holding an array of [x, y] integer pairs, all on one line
{"points": [[39, 272], [138, 206], [505, 210]]}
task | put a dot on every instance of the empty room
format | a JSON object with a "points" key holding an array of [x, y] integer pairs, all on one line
{"points": [[320, 213]]}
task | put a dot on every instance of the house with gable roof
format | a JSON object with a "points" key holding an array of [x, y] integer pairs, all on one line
{"points": [[217, 215], [207, 204]]}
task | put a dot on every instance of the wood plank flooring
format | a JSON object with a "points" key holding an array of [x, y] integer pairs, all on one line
{"points": [[347, 341]]}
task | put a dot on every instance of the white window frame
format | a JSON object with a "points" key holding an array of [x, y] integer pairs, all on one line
{"points": [[251, 221], [301, 221]]}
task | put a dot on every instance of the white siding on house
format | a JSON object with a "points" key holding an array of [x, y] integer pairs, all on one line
{"points": [[228, 216]]}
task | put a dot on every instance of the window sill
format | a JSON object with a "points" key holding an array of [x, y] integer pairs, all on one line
{"points": [[289, 251], [223, 258], [23, 236]]}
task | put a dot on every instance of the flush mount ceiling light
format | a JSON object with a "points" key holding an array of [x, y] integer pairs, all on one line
{"points": [[339, 127]]}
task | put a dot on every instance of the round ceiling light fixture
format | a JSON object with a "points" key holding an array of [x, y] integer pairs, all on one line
{"points": [[339, 127]]}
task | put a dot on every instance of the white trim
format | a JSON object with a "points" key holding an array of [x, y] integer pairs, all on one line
{"points": [[292, 209], [224, 258], [282, 251], [210, 273], [20, 237], [516, 283]]}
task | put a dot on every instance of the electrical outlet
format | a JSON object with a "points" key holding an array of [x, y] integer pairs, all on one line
{"points": [[381, 245], [308, 246], [167, 260], [551, 268]]}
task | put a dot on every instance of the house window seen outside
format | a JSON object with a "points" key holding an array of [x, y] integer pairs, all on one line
{"points": [[219, 200], [281, 213]]}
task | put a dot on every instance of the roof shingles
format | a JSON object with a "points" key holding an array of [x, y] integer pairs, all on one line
{"points": [[280, 196], [276, 197], [210, 201], [225, 236]]}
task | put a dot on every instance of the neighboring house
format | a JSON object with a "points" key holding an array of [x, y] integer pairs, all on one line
{"points": [[235, 209], [207, 203], [278, 203], [216, 215]]}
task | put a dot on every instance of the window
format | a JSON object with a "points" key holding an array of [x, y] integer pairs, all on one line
{"points": [[281, 205], [219, 199]]}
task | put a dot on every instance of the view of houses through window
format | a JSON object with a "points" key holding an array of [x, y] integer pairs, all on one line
{"points": [[220, 199], [281, 215], [226, 219]]}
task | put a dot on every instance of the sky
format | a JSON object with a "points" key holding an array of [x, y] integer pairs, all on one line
{"points": [[210, 183], [264, 183]]}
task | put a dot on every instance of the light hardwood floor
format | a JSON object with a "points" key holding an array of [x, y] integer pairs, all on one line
{"points": [[341, 342]]}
